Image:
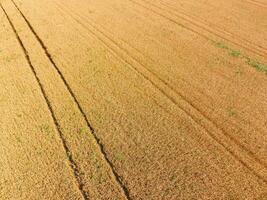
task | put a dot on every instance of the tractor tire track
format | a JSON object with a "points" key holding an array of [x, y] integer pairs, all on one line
{"points": [[61, 9], [172, 94], [206, 29], [100, 145], [72, 163], [106, 32], [257, 3], [205, 23]]}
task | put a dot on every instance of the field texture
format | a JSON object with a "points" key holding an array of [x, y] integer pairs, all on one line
{"points": [[133, 99]]}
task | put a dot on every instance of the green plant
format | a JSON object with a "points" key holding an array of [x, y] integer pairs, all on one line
{"points": [[252, 62], [81, 130], [172, 178], [257, 65], [120, 157], [221, 45], [45, 128], [231, 112], [235, 53]]}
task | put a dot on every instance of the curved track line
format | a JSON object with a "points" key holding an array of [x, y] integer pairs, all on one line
{"points": [[160, 88], [264, 55], [100, 145], [72, 163]]}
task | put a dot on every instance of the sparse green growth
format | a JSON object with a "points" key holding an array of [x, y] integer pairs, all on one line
{"points": [[257, 65], [235, 53], [221, 45], [94, 159], [69, 154], [172, 178], [81, 130], [18, 139], [231, 112], [97, 173], [254, 63], [45, 128], [120, 157], [232, 52], [97, 177], [92, 176]]}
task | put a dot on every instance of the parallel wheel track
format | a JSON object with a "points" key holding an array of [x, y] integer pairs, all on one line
{"points": [[100, 145], [73, 164], [198, 26], [173, 99]]}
